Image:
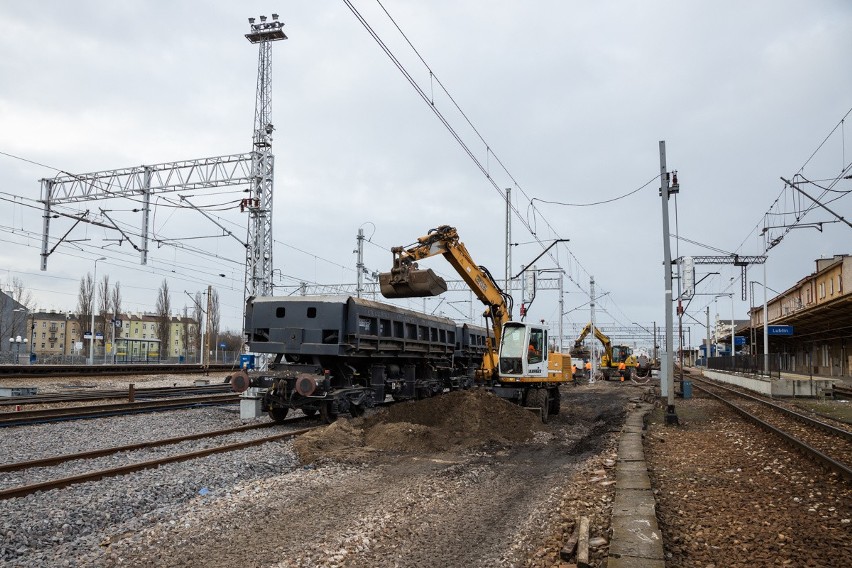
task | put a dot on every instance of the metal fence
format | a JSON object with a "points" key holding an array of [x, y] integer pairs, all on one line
{"points": [[748, 365]]}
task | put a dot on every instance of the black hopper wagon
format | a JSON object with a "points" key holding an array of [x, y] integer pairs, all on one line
{"points": [[340, 354]]}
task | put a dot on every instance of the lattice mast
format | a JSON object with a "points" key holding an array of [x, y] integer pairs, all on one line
{"points": [[258, 280]]}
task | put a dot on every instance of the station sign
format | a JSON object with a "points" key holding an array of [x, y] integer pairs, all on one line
{"points": [[739, 340], [779, 330]]}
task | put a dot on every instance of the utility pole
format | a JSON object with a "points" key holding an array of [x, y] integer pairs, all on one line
{"points": [[507, 281], [561, 310], [594, 359], [707, 353], [207, 326], [359, 264], [667, 376], [654, 339], [765, 318]]}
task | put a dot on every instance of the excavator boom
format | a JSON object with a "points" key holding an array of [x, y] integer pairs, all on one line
{"points": [[406, 280]]}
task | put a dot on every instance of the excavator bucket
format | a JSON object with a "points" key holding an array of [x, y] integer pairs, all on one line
{"points": [[411, 284]]}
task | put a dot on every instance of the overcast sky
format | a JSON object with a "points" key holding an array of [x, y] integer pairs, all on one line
{"points": [[571, 97]]}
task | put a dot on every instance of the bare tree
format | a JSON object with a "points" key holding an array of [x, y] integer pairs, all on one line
{"points": [[163, 314], [15, 305], [85, 301], [115, 301], [103, 305], [214, 317], [198, 317], [185, 331]]}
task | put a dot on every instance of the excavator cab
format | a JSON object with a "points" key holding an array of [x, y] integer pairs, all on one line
{"points": [[523, 351]]}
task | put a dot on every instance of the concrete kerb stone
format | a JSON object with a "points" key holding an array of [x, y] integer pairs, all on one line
{"points": [[636, 538]]}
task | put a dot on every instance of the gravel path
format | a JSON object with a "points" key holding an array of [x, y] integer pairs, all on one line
{"points": [[730, 495]]}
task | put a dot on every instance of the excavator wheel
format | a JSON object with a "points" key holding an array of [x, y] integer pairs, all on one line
{"points": [[553, 409], [538, 398]]}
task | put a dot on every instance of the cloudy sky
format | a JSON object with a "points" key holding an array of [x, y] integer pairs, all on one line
{"points": [[569, 101]]}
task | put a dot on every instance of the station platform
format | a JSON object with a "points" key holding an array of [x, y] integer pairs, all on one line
{"points": [[636, 538], [789, 385]]}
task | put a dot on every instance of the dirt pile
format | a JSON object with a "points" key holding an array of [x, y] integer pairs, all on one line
{"points": [[456, 421]]}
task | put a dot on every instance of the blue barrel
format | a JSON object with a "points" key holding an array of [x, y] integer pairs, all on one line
{"points": [[246, 361], [687, 389]]}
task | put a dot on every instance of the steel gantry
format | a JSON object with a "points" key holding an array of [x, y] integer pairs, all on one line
{"points": [[138, 183], [735, 259], [253, 169]]}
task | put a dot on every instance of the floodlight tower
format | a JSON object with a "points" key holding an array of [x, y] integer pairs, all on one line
{"points": [[259, 205]]}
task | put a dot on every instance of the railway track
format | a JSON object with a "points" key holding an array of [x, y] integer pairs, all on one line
{"points": [[27, 417], [20, 371], [827, 444], [103, 394], [62, 482], [841, 392]]}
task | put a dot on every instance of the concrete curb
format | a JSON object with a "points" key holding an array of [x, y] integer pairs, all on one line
{"points": [[636, 539]]}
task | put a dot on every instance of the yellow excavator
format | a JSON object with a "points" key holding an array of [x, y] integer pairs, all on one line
{"points": [[615, 360], [517, 365]]}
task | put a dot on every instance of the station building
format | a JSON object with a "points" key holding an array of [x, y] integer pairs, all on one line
{"points": [[810, 323]]}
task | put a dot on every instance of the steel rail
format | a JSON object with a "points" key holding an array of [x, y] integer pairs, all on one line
{"points": [[56, 460], [77, 412], [151, 392], [139, 466], [834, 430], [39, 370], [809, 451]]}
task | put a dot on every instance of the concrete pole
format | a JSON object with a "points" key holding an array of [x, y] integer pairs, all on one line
{"points": [[203, 329], [765, 316], [561, 310], [207, 325], [733, 335], [359, 265], [707, 353], [594, 359], [506, 283], [667, 377]]}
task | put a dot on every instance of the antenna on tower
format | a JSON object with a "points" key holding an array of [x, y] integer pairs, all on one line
{"points": [[259, 250]]}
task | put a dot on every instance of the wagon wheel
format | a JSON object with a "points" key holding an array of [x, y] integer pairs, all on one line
{"points": [[327, 413], [278, 413]]}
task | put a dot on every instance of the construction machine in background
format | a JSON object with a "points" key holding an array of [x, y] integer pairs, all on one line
{"points": [[616, 360], [517, 364]]}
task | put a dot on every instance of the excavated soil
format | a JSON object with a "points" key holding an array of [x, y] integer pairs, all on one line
{"points": [[461, 480], [454, 422]]}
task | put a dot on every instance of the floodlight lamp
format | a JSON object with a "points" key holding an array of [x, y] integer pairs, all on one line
{"points": [[251, 20], [274, 16], [263, 18]]}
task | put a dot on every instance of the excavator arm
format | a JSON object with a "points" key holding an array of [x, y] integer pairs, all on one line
{"points": [[405, 280], [605, 341]]}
